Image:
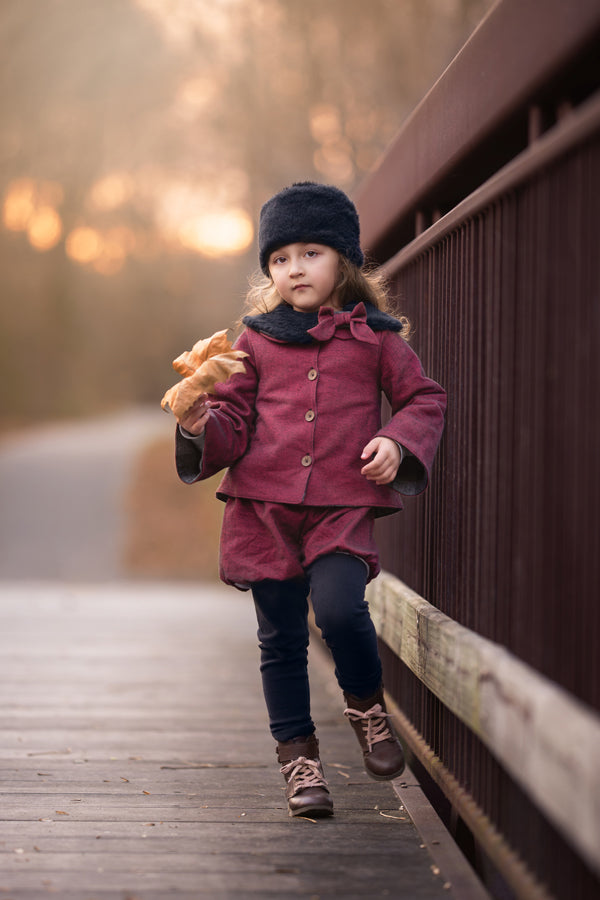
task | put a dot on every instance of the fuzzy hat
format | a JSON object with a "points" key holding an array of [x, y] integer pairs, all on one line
{"points": [[307, 212]]}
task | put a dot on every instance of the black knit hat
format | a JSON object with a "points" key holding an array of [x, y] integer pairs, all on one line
{"points": [[307, 212]]}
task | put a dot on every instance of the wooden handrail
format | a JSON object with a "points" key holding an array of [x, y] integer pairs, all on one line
{"points": [[546, 739]]}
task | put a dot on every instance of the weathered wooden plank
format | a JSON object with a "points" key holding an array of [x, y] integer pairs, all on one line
{"points": [[144, 837], [225, 867], [208, 844], [255, 825], [270, 882], [546, 739], [175, 807], [264, 880]]}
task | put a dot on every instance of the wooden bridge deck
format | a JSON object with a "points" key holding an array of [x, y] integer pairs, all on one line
{"points": [[135, 761]]}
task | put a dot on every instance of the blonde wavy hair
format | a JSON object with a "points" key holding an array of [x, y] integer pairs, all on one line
{"points": [[355, 284]]}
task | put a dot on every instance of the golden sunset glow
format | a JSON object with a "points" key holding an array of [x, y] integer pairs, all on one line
{"points": [[218, 234], [19, 204], [105, 251], [201, 218], [44, 229], [205, 218], [30, 206], [83, 244]]}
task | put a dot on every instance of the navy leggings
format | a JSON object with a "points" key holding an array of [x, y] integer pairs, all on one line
{"points": [[337, 587]]}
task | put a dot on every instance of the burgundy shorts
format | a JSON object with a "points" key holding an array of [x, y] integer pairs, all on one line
{"points": [[261, 540]]}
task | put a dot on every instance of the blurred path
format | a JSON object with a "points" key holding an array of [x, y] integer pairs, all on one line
{"points": [[61, 494], [135, 761]]}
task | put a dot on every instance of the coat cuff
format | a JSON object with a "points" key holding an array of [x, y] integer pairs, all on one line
{"points": [[411, 477], [189, 452]]}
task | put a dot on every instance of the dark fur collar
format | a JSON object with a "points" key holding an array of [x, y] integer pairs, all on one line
{"points": [[285, 324]]}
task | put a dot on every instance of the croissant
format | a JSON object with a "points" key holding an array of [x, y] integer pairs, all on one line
{"points": [[210, 361]]}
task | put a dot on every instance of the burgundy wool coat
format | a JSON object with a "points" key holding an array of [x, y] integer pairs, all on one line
{"points": [[292, 428]]}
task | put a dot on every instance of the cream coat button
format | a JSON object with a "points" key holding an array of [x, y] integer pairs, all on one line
{"points": [[309, 415], [312, 374], [306, 460]]}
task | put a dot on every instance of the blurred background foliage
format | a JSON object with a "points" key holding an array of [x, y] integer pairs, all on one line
{"points": [[138, 140]]}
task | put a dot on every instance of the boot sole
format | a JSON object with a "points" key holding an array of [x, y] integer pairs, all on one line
{"points": [[385, 777], [316, 812]]}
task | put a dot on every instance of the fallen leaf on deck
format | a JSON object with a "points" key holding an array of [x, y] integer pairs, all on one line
{"points": [[49, 752]]}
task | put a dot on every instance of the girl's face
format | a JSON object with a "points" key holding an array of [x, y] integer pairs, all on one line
{"points": [[306, 275]]}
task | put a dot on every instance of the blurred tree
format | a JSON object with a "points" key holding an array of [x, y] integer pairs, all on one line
{"points": [[139, 139]]}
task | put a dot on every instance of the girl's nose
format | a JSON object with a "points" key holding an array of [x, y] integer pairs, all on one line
{"points": [[296, 266]]}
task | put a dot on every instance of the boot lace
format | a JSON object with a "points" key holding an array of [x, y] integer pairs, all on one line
{"points": [[373, 722], [305, 773]]}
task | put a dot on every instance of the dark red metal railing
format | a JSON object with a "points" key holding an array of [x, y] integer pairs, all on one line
{"points": [[503, 289]]}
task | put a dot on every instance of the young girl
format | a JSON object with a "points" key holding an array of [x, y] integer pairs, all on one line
{"points": [[311, 467]]}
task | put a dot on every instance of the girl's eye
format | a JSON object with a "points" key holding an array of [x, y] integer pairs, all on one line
{"points": [[277, 260], [311, 253]]}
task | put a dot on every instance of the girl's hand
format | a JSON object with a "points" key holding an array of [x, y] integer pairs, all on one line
{"points": [[196, 417], [384, 465]]}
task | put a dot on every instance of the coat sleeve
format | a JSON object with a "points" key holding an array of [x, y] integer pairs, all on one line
{"points": [[228, 430], [418, 405]]}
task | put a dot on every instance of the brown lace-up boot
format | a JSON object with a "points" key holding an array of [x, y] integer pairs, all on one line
{"points": [[382, 751], [306, 791]]}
